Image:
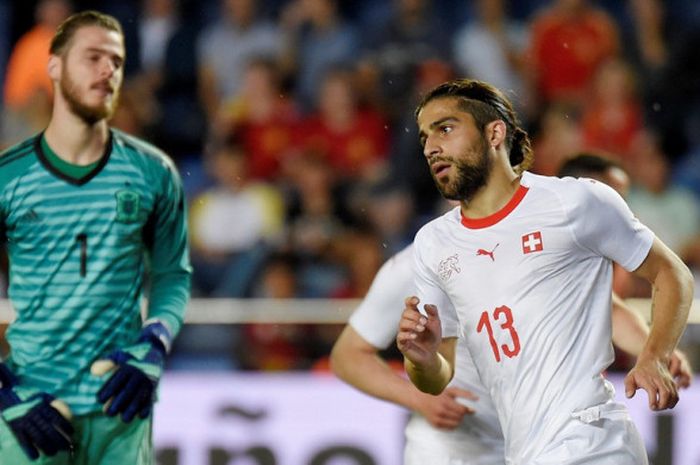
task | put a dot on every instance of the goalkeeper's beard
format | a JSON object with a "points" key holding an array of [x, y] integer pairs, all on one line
{"points": [[90, 114]]}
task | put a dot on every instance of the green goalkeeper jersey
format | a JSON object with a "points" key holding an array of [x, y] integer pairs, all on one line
{"points": [[79, 249]]}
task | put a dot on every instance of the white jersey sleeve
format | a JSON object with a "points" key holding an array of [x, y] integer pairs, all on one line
{"points": [[376, 319], [427, 284], [602, 222]]}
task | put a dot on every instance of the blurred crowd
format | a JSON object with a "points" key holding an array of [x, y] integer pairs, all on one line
{"points": [[292, 125]]}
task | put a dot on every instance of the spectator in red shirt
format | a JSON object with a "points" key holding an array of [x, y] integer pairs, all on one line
{"points": [[569, 41], [353, 139], [263, 117], [612, 116]]}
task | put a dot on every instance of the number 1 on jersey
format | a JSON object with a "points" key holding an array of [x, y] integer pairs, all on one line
{"points": [[82, 240], [485, 323]]}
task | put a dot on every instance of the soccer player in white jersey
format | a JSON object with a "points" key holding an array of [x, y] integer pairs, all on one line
{"points": [[444, 430], [457, 427], [522, 269]]}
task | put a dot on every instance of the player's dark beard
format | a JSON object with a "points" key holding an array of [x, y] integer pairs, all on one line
{"points": [[90, 115], [470, 177]]}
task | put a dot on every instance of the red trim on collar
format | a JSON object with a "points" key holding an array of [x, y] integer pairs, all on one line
{"points": [[485, 222]]}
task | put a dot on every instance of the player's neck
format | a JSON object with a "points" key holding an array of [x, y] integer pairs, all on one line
{"points": [[502, 184], [74, 140]]}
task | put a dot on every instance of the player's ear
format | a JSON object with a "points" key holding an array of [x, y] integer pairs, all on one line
{"points": [[54, 67], [496, 133]]}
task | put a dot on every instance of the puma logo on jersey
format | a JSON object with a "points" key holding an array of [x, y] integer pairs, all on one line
{"points": [[448, 266], [487, 252]]}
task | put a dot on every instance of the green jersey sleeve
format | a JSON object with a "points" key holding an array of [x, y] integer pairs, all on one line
{"points": [[168, 253]]}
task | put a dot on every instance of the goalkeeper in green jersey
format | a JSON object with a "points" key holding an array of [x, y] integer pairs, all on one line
{"points": [[86, 212]]}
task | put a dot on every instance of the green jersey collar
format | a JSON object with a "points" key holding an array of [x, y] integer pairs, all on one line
{"points": [[69, 172]]}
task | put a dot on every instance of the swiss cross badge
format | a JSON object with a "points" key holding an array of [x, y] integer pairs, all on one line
{"points": [[532, 242]]}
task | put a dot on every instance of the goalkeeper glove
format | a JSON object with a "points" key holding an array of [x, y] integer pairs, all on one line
{"points": [[39, 421], [131, 389]]}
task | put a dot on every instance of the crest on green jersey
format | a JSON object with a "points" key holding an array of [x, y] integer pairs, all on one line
{"points": [[127, 206]]}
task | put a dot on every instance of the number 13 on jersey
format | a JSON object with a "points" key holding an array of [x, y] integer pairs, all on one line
{"points": [[485, 323]]}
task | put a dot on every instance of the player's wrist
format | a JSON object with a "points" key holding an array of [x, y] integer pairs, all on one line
{"points": [[158, 335], [424, 402], [433, 365], [432, 376], [655, 354], [12, 393], [136, 370], [415, 400]]}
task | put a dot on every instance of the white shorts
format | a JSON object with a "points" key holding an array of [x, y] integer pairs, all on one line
{"points": [[427, 445], [600, 435]]}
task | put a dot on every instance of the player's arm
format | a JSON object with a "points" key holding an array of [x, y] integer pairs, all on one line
{"points": [[357, 362], [168, 253], [672, 285], [602, 223], [429, 360], [630, 332], [372, 326], [135, 370]]}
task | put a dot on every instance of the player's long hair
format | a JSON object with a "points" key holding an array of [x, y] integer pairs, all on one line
{"points": [[486, 103], [67, 29]]}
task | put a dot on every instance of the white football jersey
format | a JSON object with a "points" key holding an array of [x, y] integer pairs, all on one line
{"points": [[529, 288], [478, 440]]}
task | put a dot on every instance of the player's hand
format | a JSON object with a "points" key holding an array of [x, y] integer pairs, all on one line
{"points": [[652, 374], [419, 336], [40, 422], [444, 411], [680, 369], [136, 370]]}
